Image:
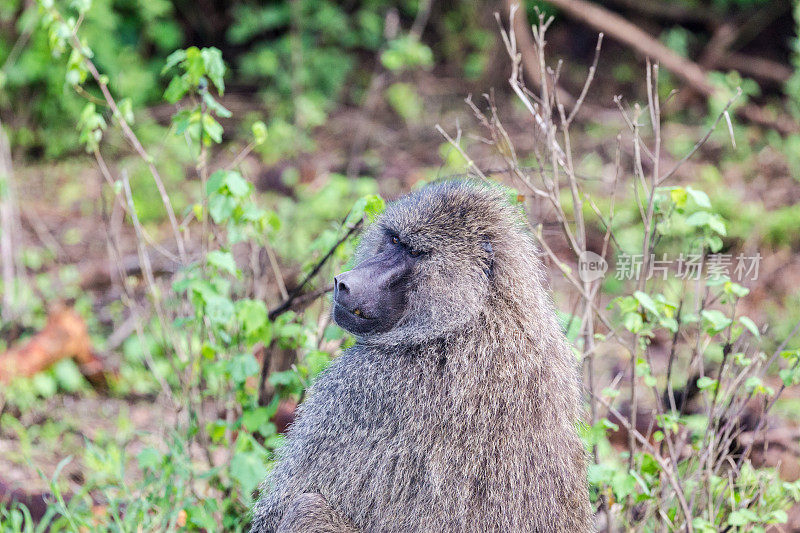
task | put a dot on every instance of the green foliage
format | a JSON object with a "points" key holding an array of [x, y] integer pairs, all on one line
{"points": [[301, 54], [198, 67], [405, 101], [406, 53], [200, 347], [127, 40]]}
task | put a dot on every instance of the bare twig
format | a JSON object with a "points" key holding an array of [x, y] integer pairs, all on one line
{"points": [[702, 141], [131, 137], [588, 82], [9, 231], [273, 261], [455, 144]]}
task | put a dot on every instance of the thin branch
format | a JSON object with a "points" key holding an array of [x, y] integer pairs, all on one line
{"points": [[663, 463], [287, 304], [702, 141], [134, 142], [9, 231], [694, 75], [589, 78], [470, 163]]}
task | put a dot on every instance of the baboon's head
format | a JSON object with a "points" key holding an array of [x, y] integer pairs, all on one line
{"points": [[429, 264]]}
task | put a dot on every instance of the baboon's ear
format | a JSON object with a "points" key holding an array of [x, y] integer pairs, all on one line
{"points": [[489, 268]]}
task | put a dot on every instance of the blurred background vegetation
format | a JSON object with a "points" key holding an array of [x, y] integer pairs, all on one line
{"points": [[194, 325]]}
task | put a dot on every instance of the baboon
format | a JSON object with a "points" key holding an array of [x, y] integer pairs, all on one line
{"points": [[456, 410]]}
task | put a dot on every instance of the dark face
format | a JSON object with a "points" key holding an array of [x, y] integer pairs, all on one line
{"points": [[372, 297]]}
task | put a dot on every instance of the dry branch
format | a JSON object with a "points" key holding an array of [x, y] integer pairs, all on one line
{"points": [[100, 273], [9, 232], [528, 53], [757, 67], [693, 74]]}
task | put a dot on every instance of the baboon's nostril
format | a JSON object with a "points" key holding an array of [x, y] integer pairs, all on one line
{"points": [[341, 286]]}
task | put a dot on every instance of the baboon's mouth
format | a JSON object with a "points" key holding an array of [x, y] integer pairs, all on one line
{"points": [[358, 312]]}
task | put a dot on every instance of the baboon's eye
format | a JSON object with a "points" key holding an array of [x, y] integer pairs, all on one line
{"points": [[414, 253], [395, 240]]}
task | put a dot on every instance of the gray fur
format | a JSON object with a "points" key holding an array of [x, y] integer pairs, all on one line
{"points": [[461, 418]]}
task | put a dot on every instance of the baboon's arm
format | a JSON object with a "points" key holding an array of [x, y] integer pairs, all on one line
{"points": [[311, 513]]}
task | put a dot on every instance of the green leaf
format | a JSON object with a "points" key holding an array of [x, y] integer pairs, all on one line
{"points": [[177, 89], [742, 517], [778, 516], [750, 325], [316, 361], [125, 107], [790, 376], [214, 67], [791, 355], [216, 430], [718, 225], [44, 385], [252, 315], [678, 196], [699, 197], [202, 516], [706, 382], [258, 420], [212, 129], [259, 132], [223, 262], [194, 66], [68, 375], [632, 322], [173, 59], [714, 243], [220, 207], [701, 525], [243, 366], [228, 181], [215, 106], [406, 53], [669, 323], [756, 385], [716, 321], [736, 289], [608, 392], [646, 302], [698, 219], [247, 469], [598, 474], [623, 484], [149, 458], [236, 184], [182, 120], [216, 181], [405, 101], [91, 125], [370, 206], [219, 309], [704, 219]]}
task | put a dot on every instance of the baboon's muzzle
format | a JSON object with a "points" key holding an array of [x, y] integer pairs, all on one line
{"points": [[371, 298]]}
